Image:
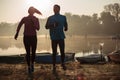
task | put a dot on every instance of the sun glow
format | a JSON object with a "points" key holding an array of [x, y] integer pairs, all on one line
{"points": [[43, 5]]}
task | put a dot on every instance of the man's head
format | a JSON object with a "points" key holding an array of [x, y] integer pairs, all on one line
{"points": [[56, 9]]}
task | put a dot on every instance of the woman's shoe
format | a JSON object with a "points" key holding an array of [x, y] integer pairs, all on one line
{"points": [[29, 70], [32, 68]]}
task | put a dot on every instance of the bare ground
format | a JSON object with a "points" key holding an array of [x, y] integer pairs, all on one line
{"points": [[75, 71]]}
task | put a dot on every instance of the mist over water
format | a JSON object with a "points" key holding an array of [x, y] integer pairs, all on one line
{"points": [[12, 51], [76, 44], [16, 51]]}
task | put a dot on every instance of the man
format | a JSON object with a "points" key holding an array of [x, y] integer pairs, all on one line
{"points": [[57, 24]]}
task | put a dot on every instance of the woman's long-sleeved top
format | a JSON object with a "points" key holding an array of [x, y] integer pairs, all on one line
{"points": [[31, 24]]}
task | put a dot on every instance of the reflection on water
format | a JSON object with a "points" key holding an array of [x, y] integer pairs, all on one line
{"points": [[16, 51], [80, 54], [73, 44], [11, 51]]}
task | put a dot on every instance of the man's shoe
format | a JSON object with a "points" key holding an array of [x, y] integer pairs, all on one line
{"points": [[64, 67], [54, 70], [32, 68]]}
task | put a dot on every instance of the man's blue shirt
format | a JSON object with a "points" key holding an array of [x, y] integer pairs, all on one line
{"points": [[57, 33]]}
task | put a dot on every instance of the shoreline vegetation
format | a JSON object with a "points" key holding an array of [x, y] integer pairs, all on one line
{"points": [[75, 70]]}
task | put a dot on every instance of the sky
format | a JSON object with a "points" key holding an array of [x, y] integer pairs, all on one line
{"points": [[13, 10]]}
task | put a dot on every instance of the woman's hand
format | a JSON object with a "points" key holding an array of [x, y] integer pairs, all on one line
{"points": [[16, 36]]}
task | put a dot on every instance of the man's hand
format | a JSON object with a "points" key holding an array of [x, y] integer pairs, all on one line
{"points": [[65, 29]]}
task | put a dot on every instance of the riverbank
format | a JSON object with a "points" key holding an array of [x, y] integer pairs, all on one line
{"points": [[109, 71]]}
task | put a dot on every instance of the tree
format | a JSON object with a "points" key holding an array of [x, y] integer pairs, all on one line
{"points": [[107, 18], [108, 23], [94, 24], [114, 9]]}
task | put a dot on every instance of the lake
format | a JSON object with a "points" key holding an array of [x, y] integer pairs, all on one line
{"points": [[77, 44]]}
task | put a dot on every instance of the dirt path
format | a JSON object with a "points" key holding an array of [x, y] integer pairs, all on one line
{"points": [[75, 71]]}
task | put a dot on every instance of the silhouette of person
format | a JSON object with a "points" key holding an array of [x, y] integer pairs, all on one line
{"points": [[31, 24], [57, 24]]}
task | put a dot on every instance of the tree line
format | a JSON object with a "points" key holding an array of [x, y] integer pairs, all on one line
{"points": [[108, 23]]}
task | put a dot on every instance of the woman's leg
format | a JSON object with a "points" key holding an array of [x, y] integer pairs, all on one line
{"points": [[27, 48], [26, 41], [33, 47]]}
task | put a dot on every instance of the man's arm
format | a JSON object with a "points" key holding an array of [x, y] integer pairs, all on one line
{"points": [[47, 24], [66, 25]]}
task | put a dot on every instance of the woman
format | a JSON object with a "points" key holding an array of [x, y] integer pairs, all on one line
{"points": [[31, 24]]}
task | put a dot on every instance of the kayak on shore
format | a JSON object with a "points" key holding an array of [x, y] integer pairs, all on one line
{"points": [[40, 58]]}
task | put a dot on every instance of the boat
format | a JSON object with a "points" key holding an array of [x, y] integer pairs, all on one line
{"points": [[114, 56], [40, 58], [12, 59], [47, 58], [92, 58]]}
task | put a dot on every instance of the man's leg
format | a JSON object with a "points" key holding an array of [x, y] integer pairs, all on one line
{"points": [[54, 51], [62, 51]]}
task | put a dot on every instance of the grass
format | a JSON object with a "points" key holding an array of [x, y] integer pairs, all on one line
{"points": [[109, 71]]}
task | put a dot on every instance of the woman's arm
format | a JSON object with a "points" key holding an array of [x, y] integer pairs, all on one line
{"points": [[37, 25], [18, 28]]}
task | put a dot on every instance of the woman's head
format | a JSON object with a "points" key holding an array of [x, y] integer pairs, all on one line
{"points": [[33, 10]]}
